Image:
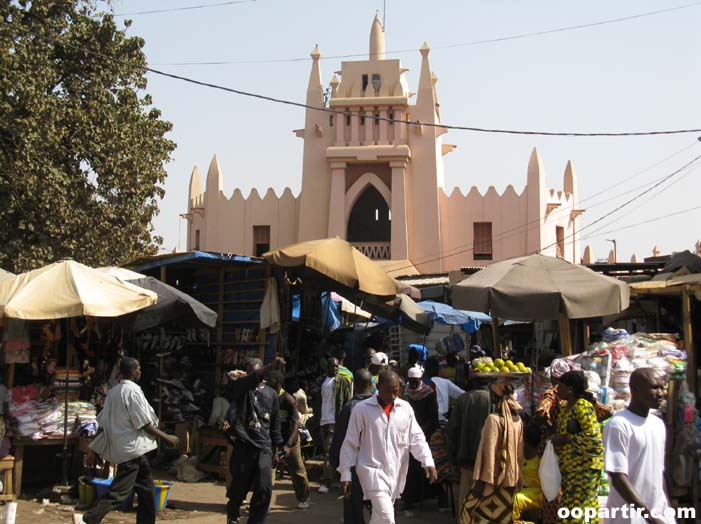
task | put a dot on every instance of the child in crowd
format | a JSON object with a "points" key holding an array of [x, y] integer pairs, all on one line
{"points": [[530, 497]]}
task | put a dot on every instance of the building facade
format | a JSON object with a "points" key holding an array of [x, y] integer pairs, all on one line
{"points": [[373, 174]]}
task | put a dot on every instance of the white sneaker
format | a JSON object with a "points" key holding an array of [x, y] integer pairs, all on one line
{"points": [[323, 489], [78, 518], [303, 505]]}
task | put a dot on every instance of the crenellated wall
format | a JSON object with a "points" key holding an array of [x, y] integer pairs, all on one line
{"points": [[226, 224], [513, 221]]}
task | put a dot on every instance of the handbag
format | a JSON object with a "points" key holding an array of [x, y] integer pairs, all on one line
{"points": [[496, 508]]}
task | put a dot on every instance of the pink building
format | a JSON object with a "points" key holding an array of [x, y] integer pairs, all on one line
{"points": [[373, 176]]}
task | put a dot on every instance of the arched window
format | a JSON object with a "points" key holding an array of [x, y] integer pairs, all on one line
{"points": [[369, 220]]}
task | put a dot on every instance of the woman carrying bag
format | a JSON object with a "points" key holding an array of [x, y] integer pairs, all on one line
{"points": [[497, 474], [579, 445]]}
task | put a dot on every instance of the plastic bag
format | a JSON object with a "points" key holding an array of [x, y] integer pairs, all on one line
{"points": [[549, 473]]}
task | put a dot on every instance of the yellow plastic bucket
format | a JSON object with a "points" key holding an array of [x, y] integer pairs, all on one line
{"points": [[161, 489]]}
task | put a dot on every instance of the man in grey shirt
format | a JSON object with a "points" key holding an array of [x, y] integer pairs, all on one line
{"points": [[129, 429]]}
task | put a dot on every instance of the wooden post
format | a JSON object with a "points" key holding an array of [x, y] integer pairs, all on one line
{"points": [[565, 335], [220, 333], [496, 350], [689, 340], [658, 315], [587, 334], [163, 274]]}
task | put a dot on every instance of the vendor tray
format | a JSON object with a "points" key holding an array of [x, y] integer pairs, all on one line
{"points": [[500, 375]]}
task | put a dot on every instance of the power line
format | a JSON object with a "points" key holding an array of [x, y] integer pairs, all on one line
{"points": [[649, 221], [446, 46], [625, 204], [186, 8], [652, 197], [376, 117], [417, 123], [468, 249]]}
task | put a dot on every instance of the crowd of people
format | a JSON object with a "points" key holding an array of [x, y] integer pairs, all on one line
{"points": [[387, 434]]}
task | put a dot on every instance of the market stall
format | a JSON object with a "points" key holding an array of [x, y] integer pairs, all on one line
{"points": [[71, 292]]}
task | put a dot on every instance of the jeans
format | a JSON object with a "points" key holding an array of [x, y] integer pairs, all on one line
{"points": [[327, 474]]}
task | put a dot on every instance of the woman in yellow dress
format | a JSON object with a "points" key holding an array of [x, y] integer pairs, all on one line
{"points": [[579, 446]]}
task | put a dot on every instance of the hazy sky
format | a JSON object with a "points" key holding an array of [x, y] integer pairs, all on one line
{"points": [[635, 75]]}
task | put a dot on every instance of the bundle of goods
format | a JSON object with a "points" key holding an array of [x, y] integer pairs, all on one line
{"points": [[37, 420], [68, 383], [609, 364]]}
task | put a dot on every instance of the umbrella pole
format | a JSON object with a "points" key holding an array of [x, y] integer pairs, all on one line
{"points": [[496, 350], [64, 465]]}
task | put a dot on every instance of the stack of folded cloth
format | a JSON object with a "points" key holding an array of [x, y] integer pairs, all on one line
{"points": [[67, 384]]}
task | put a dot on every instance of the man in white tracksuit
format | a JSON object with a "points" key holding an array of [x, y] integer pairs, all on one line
{"points": [[381, 432]]}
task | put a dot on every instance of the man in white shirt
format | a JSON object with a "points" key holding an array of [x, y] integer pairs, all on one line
{"points": [[381, 432], [129, 431], [634, 442], [327, 422]]}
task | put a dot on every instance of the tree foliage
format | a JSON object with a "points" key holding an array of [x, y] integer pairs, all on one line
{"points": [[82, 149]]}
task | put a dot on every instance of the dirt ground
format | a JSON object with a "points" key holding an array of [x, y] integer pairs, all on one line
{"points": [[205, 503]]}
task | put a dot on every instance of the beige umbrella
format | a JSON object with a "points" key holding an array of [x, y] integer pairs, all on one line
{"points": [[69, 289], [538, 287], [5, 275], [336, 266]]}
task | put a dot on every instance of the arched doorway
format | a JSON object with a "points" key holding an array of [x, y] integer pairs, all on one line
{"points": [[369, 220]]}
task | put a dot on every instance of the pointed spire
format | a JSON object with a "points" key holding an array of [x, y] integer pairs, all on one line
{"points": [[634, 259], [334, 84], [656, 251], [315, 89], [587, 257], [570, 179], [215, 181], [426, 97], [536, 173], [195, 183], [612, 257], [377, 39]]}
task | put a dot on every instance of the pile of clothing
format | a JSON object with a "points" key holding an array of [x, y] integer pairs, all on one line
{"points": [[37, 420], [68, 383]]}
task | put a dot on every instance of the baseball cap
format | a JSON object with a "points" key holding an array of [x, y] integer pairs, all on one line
{"points": [[379, 359]]}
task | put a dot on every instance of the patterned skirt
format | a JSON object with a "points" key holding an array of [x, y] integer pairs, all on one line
{"points": [[580, 489]]}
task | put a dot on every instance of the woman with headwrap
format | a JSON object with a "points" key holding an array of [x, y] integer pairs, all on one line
{"points": [[547, 414], [497, 473], [579, 445], [423, 400]]}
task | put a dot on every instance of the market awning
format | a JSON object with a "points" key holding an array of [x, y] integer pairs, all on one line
{"points": [[538, 287], [69, 289], [672, 286], [469, 321]]}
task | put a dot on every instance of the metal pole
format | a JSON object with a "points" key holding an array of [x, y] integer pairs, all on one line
{"points": [[64, 465]]}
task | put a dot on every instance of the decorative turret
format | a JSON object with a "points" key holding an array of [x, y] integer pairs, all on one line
{"points": [[588, 257], [334, 84], [315, 89], [195, 184], [215, 180], [377, 40], [426, 97], [570, 179], [536, 202]]}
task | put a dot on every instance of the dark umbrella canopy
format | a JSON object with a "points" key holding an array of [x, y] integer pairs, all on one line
{"points": [[538, 287], [684, 259], [172, 305]]}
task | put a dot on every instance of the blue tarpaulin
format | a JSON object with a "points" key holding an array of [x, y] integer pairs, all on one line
{"points": [[330, 311], [469, 321]]}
